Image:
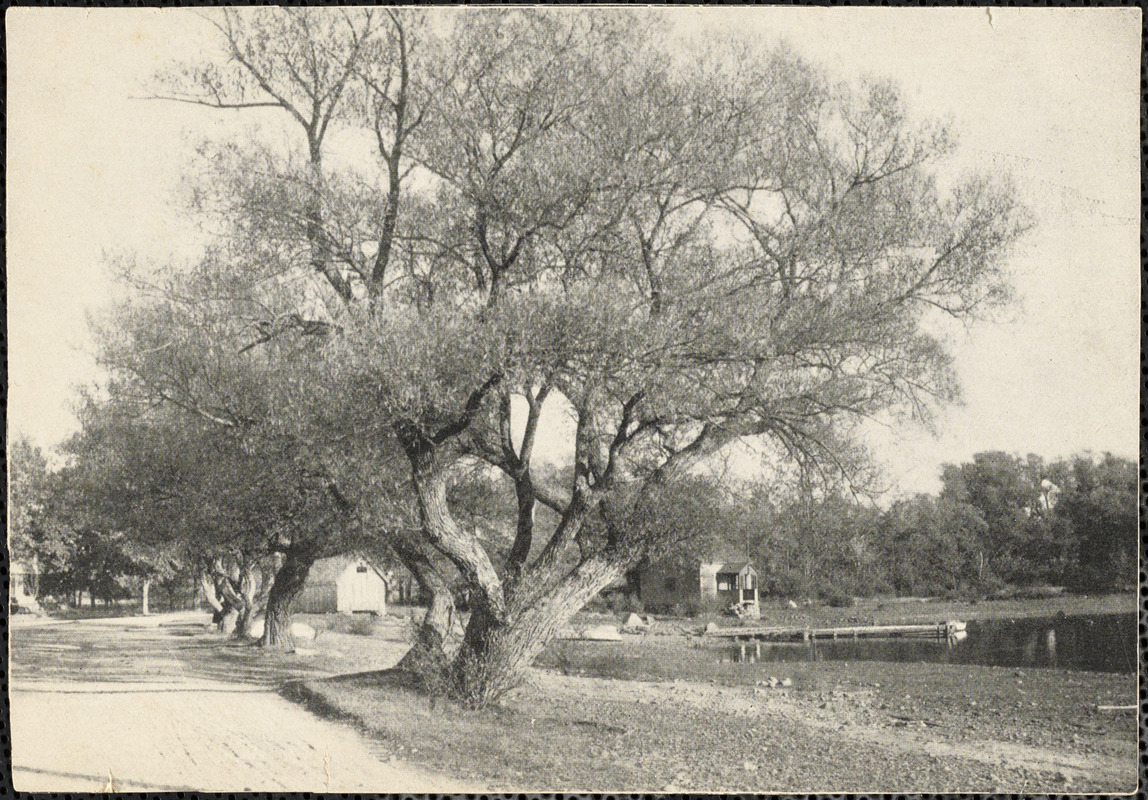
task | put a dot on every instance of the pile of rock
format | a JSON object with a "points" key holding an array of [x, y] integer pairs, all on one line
{"points": [[773, 683]]}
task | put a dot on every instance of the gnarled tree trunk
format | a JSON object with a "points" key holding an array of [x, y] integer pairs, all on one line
{"points": [[248, 586], [427, 656], [207, 585], [495, 652], [288, 584], [430, 466]]}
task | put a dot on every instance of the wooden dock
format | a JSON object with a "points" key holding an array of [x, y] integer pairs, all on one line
{"points": [[932, 630]]}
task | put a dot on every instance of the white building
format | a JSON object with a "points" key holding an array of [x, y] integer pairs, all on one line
{"points": [[343, 584]]}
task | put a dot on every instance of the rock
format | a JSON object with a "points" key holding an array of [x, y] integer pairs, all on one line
{"points": [[634, 624], [792, 604], [301, 630], [787, 682], [602, 633], [711, 627], [749, 766]]}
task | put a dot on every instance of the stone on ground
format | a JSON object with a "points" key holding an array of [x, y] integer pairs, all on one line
{"points": [[602, 633], [301, 630], [634, 624]]}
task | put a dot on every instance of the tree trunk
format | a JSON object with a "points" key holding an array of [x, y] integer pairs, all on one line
{"points": [[248, 585], [208, 587], [427, 656], [495, 652], [634, 584], [430, 467], [288, 584], [228, 619], [144, 610]]}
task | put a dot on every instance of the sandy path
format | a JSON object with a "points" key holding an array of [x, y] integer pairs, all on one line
{"points": [[170, 729]]}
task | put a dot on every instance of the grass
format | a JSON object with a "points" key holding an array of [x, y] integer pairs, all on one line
{"points": [[616, 735], [391, 628], [541, 739], [501, 745]]}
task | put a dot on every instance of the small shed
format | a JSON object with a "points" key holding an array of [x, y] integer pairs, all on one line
{"points": [[23, 577], [673, 581], [343, 584], [729, 581]]}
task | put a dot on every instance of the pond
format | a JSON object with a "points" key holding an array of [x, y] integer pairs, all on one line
{"points": [[1095, 643]]}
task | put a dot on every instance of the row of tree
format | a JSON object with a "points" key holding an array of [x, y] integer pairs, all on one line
{"points": [[477, 215], [999, 522]]}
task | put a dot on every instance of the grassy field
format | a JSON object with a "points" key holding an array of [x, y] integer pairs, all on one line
{"points": [[661, 713]]}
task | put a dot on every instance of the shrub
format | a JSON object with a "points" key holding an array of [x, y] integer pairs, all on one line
{"points": [[362, 625], [633, 605], [838, 600], [713, 605], [788, 583], [620, 603], [873, 586]]}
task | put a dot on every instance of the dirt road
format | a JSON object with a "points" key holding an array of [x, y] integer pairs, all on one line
{"points": [[120, 706]]}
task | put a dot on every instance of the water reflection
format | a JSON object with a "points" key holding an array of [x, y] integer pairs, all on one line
{"points": [[1099, 643]]}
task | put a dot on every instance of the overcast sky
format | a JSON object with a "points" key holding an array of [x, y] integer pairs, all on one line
{"points": [[1052, 95]]}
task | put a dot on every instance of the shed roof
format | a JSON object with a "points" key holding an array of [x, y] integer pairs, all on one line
{"points": [[734, 566], [328, 570]]}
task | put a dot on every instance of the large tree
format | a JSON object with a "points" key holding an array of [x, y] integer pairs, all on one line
{"points": [[677, 248]]}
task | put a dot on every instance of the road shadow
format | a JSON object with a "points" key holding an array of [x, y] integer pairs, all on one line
{"points": [[137, 655]]}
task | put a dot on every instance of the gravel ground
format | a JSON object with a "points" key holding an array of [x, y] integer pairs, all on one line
{"points": [[149, 706]]}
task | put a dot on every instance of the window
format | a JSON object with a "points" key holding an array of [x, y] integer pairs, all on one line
{"points": [[748, 581], [725, 582], [361, 568]]}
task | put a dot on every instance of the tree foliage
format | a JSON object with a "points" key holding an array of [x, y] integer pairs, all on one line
{"points": [[1000, 522]]}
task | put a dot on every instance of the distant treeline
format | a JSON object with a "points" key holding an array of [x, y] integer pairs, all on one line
{"points": [[999, 522]]}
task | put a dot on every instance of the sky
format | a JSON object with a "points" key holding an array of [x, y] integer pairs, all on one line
{"points": [[1050, 95]]}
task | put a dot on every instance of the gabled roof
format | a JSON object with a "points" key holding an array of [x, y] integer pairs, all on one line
{"points": [[733, 566], [327, 570]]}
